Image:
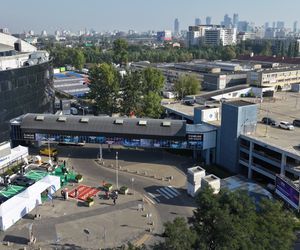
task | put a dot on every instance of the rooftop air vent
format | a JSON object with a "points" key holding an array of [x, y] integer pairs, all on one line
{"points": [[62, 119], [166, 124], [39, 118], [142, 123], [119, 121], [84, 120]]}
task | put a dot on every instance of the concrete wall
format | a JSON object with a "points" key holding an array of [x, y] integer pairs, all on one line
{"points": [[11, 40], [236, 120]]}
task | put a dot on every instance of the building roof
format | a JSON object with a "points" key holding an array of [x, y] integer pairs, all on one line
{"points": [[104, 126], [240, 103], [270, 59]]}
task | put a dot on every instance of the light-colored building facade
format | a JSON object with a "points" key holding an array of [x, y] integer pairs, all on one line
{"points": [[280, 78]]}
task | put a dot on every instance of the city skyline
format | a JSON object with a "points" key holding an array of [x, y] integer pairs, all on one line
{"points": [[140, 15]]}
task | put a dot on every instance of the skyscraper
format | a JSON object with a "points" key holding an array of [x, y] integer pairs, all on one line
{"points": [[295, 27], [227, 21], [280, 25], [266, 25], [176, 27], [208, 20], [197, 21], [235, 20]]}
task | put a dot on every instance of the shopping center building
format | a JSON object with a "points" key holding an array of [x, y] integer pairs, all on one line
{"points": [[25, 81]]}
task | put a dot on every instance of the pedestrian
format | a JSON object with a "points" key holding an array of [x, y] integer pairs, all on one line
{"points": [[66, 177], [114, 200], [76, 193], [64, 163]]}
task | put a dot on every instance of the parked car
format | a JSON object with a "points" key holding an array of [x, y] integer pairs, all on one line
{"points": [[45, 151], [296, 123], [23, 181], [285, 125], [269, 121]]}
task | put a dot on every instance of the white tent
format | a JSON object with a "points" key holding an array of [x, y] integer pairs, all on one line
{"points": [[21, 204]]}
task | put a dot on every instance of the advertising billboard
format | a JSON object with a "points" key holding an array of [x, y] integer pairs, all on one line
{"points": [[287, 191]]}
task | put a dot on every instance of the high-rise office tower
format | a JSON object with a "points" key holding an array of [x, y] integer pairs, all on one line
{"points": [[266, 25], [273, 25], [176, 26], [280, 25], [295, 27], [235, 20], [208, 20], [197, 21], [227, 21]]}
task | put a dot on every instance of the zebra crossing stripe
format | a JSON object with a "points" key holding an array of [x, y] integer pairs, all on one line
{"points": [[150, 200], [175, 190], [171, 191], [167, 197], [154, 197], [166, 192]]}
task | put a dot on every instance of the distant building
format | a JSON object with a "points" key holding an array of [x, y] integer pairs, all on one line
{"points": [[280, 25], [208, 20], [211, 35], [44, 33], [197, 21], [165, 35], [176, 27], [235, 20], [227, 22], [220, 36], [295, 27]]}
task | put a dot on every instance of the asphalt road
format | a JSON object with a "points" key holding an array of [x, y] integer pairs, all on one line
{"points": [[169, 205]]}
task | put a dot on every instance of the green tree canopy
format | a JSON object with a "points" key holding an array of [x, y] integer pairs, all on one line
{"points": [[151, 106], [104, 88], [153, 80], [186, 85], [228, 53], [233, 220], [132, 91], [120, 49]]}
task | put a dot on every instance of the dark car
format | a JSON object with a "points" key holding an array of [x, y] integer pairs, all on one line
{"points": [[296, 123], [3, 199], [23, 181], [269, 121]]}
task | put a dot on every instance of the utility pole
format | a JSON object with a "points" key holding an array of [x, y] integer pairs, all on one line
{"points": [[117, 174]]}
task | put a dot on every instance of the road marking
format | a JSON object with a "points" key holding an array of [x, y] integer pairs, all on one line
{"points": [[148, 199], [175, 190], [154, 197], [167, 193], [163, 194], [171, 191]]}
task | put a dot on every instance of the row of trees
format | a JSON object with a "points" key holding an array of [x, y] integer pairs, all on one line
{"points": [[231, 221], [138, 92], [121, 53]]}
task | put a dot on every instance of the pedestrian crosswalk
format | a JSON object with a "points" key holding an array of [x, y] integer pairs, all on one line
{"points": [[167, 193]]}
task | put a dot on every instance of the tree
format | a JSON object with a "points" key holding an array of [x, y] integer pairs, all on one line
{"points": [[233, 220], [78, 59], [120, 49], [228, 53], [132, 89], [104, 88], [186, 85], [178, 227], [151, 106], [153, 80]]}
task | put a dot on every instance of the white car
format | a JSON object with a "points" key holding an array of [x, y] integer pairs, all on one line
{"points": [[286, 125]]}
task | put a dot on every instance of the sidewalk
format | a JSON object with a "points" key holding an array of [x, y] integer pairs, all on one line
{"points": [[67, 222]]}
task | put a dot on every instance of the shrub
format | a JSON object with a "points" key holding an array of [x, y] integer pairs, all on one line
{"points": [[9, 172], [89, 199], [78, 177]]}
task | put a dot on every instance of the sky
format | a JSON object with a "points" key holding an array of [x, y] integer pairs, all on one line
{"points": [[139, 15]]}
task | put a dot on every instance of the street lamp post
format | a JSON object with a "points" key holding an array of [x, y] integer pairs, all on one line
{"points": [[100, 152], [132, 181], [117, 174]]}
